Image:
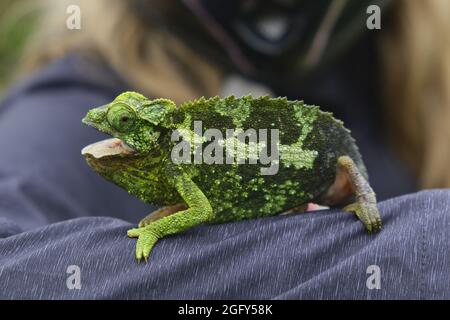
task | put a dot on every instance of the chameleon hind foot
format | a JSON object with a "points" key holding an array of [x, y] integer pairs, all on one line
{"points": [[365, 206], [368, 213]]}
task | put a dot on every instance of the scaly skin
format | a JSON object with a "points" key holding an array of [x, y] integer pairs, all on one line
{"points": [[319, 162]]}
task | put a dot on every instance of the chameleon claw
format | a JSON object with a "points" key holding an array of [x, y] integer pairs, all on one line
{"points": [[367, 213]]}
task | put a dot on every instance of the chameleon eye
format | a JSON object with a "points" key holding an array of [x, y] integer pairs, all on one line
{"points": [[121, 117]]}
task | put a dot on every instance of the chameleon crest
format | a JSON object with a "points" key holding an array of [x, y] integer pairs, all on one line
{"points": [[226, 159]]}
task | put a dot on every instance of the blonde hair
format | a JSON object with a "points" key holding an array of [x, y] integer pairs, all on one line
{"points": [[415, 51], [416, 55], [141, 54]]}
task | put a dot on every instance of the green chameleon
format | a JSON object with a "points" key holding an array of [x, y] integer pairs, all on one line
{"points": [[317, 161]]}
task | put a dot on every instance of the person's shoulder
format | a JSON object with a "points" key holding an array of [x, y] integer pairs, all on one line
{"points": [[70, 72]]}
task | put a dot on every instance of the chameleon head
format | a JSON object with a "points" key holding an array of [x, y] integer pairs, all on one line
{"points": [[132, 118]]}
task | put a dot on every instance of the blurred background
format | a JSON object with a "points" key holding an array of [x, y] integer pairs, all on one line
{"points": [[390, 85], [17, 18]]}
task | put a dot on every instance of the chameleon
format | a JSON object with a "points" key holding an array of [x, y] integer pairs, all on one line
{"points": [[317, 161]]}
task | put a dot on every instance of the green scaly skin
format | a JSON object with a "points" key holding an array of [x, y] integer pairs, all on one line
{"points": [[313, 144]]}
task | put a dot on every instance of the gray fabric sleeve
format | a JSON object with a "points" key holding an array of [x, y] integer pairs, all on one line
{"points": [[316, 255]]}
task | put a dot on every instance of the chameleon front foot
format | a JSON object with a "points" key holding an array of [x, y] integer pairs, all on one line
{"points": [[368, 213], [146, 240]]}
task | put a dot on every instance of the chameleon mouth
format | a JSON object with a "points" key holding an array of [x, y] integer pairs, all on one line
{"points": [[108, 148]]}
